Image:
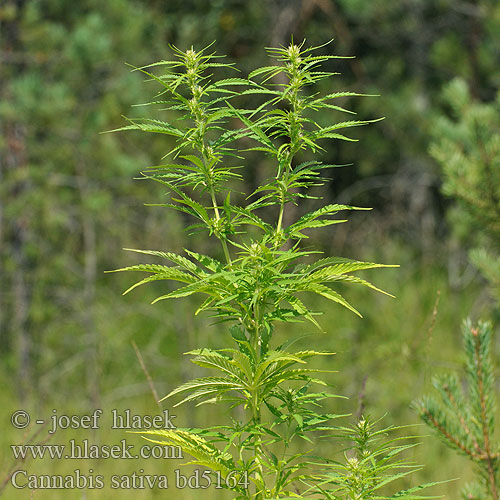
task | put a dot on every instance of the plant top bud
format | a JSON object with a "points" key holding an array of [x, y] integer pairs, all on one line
{"points": [[294, 54]]}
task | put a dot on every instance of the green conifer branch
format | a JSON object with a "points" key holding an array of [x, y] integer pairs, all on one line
{"points": [[467, 422]]}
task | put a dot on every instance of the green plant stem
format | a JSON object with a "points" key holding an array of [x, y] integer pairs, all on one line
{"points": [[217, 218], [280, 217], [294, 136], [258, 442], [255, 400], [201, 124], [278, 239]]}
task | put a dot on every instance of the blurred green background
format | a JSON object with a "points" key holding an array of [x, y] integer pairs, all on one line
{"points": [[69, 204]]}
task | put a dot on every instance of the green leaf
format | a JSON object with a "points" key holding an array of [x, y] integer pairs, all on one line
{"points": [[254, 127], [332, 295], [203, 452], [172, 257]]}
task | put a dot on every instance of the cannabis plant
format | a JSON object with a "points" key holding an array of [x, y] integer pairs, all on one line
{"points": [[372, 461], [263, 268], [464, 417]]}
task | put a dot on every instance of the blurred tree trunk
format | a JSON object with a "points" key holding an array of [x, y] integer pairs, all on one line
{"points": [[14, 172], [89, 285], [286, 15], [20, 299]]}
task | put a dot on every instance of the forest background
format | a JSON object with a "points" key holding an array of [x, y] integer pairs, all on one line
{"points": [[69, 204]]}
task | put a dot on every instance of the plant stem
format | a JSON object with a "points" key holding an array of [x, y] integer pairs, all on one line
{"points": [[294, 134], [280, 218], [255, 400], [199, 118], [217, 218]]}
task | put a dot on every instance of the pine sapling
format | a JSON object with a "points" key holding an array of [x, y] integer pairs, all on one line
{"points": [[465, 418]]}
